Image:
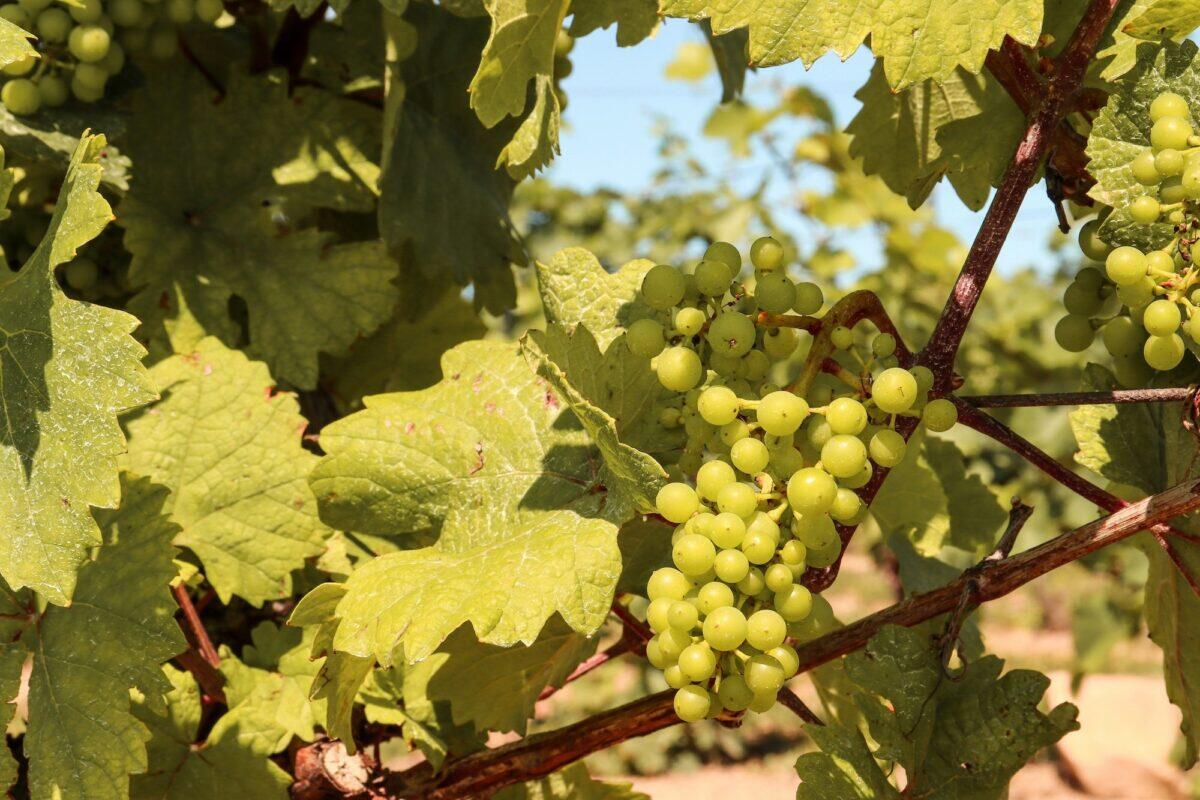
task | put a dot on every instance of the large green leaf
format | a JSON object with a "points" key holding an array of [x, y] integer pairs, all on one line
{"points": [[82, 740], [519, 49], [965, 128], [1122, 131], [957, 739], [67, 369], [915, 39], [225, 765], [228, 446], [1146, 446], [577, 290], [491, 463], [14, 43], [440, 193], [635, 19], [217, 212]]}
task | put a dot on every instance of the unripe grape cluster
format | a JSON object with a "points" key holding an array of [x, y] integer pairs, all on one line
{"points": [[766, 475], [1140, 302], [80, 47]]}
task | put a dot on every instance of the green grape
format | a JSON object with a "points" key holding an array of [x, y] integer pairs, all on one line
{"points": [[645, 338], [682, 615], [725, 628], [34, 7], [764, 674], [655, 656], [778, 577], [677, 502], [1122, 337], [1190, 184], [209, 11], [689, 321], [135, 40], [842, 338], [811, 491], [1168, 104], [1090, 279], [81, 273], [53, 25], [16, 15], [658, 614], [712, 478], [179, 12], [726, 366], [820, 621], [663, 287], [1081, 299], [1144, 210], [1132, 371], [1168, 163], [846, 505], [91, 76], [939, 415], [21, 66], [669, 417], [727, 254], [780, 343], [731, 333], [712, 278], [672, 642], [714, 595], [817, 432], [846, 415], [887, 448], [821, 557], [843, 455], [815, 531], [795, 603], [21, 97], [693, 554], [674, 677], [698, 662], [759, 547], [731, 566], [775, 293], [894, 390], [1125, 265], [114, 61], [679, 369], [668, 583], [1171, 190], [763, 702], [734, 694], [750, 456], [787, 658], [781, 413], [883, 345], [1161, 318], [809, 298], [762, 523], [753, 583], [692, 703], [85, 93], [89, 43], [1145, 171], [1170, 133], [1074, 333], [1163, 352], [1193, 328], [793, 553], [87, 11], [734, 432], [738, 498], [54, 91], [1137, 294], [125, 13], [766, 254], [1159, 260], [1090, 242], [923, 376], [718, 405]]}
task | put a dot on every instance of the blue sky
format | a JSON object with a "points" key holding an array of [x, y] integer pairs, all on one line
{"points": [[617, 94]]}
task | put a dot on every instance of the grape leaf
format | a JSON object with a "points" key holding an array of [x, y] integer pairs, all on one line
{"points": [[962, 738], [439, 177], [729, 53], [224, 765], [67, 369], [915, 39], [519, 49], [576, 290], [405, 353], [635, 19], [611, 394], [489, 461], [82, 740], [228, 446], [570, 783], [964, 128], [14, 43], [535, 143], [52, 135], [12, 661], [217, 208], [645, 544], [1165, 19], [495, 688], [1122, 130], [1145, 446]]}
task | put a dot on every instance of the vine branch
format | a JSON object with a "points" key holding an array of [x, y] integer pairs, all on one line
{"points": [[1116, 396]]}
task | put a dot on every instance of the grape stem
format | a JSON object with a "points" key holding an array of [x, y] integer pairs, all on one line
{"points": [[792, 702], [535, 756], [1069, 69], [1078, 398], [201, 658]]}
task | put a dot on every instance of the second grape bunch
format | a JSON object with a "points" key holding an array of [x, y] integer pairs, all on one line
{"points": [[767, 473], [82, 44]]}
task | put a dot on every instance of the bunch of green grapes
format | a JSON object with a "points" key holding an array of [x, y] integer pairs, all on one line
{"points": [[1141, 301], [766, 476], [81, 45]]}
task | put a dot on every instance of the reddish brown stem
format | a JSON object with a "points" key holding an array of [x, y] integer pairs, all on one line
{"points": [[625, 644], [194, 626], [792, 702], [1018, 177], [1078, 398]]}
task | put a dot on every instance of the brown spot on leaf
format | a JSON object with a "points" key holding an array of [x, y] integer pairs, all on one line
{"points": [[478, 458], [410, 427], [550, 400]]}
